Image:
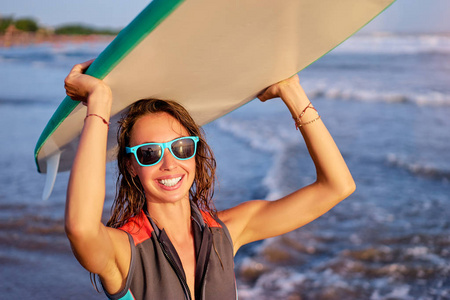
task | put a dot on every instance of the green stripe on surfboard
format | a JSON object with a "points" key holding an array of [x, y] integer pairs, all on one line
{"points": [[156, 12]]}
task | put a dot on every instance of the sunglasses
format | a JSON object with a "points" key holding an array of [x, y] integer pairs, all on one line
{"points": [[150, 154]]}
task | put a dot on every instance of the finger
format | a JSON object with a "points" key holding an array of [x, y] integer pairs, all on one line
{"points": [[82, 67], [86, 64], [68, 89], [261, 96], [78, 98], [74, 96], [262, 99]]}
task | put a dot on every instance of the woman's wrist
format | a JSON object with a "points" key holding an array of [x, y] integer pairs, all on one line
{"points": [[100, 100], [294, 97]]}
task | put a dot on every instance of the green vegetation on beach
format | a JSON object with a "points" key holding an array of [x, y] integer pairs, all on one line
{"points": [[31, 25], [83, 30], [24, 24]]}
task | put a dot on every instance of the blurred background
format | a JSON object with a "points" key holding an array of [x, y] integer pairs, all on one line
{"points": [[384, 94]]}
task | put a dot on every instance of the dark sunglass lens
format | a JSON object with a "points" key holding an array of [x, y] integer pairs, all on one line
{"points": [[184, 148], [149, 154]]}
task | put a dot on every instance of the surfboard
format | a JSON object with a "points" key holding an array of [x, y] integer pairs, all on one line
{"points": [[210, 56]]}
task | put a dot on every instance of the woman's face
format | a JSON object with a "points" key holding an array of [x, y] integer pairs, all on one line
{"points": [[170, 180]]}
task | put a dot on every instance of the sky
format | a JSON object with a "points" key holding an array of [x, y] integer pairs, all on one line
{"points": [[405, 16]]}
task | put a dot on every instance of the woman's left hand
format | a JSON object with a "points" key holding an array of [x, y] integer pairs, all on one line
{"points": [[290, 91], [277, 89]]}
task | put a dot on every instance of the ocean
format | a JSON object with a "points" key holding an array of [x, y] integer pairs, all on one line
{"points": [[385, 99]]}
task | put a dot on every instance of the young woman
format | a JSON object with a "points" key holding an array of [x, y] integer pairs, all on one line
{"points": [[164, 239]]}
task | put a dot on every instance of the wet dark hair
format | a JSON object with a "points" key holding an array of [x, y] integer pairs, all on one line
{"points": [[130, 196]]}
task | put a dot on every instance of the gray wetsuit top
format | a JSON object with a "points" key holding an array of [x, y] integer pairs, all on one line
{"points": [[156, 271]]}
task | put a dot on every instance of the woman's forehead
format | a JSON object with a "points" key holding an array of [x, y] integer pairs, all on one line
{"points": [[157, 127]]}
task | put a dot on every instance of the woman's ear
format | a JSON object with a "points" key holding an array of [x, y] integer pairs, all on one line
{"points": [[131, 168]]}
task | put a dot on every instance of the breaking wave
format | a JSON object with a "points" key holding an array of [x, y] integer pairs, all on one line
{"points": [[371, 95], [418, 169], [395, 44]]}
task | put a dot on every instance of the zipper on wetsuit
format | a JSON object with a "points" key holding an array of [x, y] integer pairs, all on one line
{"points": [[187, 292], [204, 283]]}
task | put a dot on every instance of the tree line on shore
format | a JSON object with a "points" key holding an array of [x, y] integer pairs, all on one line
{"points": [[31, 25]]}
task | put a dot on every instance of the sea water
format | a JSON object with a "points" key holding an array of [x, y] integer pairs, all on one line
{"points": [[384, 98]]}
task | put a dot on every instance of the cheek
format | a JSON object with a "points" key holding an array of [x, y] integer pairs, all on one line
{"points": [[190, 166], [142, 172], [193, 165], [136, 170]]}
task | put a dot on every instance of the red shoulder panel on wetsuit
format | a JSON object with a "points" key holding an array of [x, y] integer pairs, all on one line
{"points": [[139, 227], [209, 219]]}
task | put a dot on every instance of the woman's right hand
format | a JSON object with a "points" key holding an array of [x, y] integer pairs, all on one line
{"points": [[80, 86], [100, 249]]}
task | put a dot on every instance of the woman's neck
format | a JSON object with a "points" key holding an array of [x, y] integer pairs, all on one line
{"points": [[174, 218]]}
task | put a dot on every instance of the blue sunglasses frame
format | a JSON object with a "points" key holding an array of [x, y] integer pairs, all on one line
{"points": [[167, 145]]}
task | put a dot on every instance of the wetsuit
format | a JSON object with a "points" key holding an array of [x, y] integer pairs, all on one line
{"points": [[156, 271]]}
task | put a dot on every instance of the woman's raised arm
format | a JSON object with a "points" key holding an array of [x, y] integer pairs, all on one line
{"points": [[101, 250], [260, 219]]}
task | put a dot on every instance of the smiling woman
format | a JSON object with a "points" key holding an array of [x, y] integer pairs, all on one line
{"points": [[134, 130], [160, 239], [165, 185], [150, 176]]}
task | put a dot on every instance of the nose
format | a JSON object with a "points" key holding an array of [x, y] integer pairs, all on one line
{"points": [[168, 162]]}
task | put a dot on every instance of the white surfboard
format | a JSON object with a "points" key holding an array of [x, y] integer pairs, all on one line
{"points": [[212, 56]]}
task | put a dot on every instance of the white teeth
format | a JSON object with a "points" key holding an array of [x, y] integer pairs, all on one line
{"points": [[170, 182]]}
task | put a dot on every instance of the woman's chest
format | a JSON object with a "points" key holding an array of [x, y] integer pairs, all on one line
{"points": [[186, 253]]}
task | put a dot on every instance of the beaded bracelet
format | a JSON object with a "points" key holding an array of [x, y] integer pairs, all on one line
{"points": [[95, 115], [297, 120], [299, 124]]}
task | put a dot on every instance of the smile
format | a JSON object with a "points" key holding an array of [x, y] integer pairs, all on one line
{"points": [[170, 182]]}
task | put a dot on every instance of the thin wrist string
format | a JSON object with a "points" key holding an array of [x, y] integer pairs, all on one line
{"points": [[298, 121], [98, 116]]}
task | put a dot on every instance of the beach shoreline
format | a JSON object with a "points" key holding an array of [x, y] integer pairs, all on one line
{"points": [[25, 39]]}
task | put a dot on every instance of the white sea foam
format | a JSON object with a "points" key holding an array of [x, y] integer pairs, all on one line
{"points": [[395, 44], [369, 94], [418, 168], [400, 292], [277, 284]]}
